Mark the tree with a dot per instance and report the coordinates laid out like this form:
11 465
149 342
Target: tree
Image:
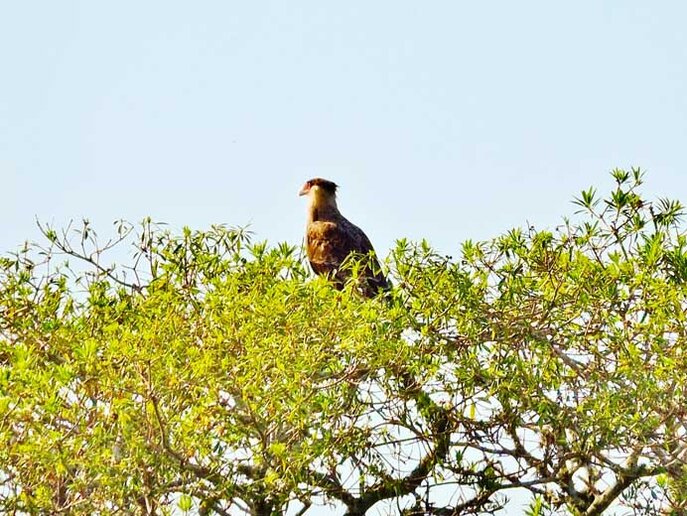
213 375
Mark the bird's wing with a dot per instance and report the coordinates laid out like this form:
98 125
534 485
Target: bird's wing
375 279
330 243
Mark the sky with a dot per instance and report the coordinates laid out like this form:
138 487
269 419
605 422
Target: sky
444 120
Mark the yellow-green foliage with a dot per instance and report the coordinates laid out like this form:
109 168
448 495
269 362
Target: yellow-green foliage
213 374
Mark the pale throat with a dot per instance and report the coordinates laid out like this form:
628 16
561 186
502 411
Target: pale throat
321 206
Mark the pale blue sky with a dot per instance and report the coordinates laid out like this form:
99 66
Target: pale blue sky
446 119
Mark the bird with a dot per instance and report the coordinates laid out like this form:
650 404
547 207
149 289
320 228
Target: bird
330 239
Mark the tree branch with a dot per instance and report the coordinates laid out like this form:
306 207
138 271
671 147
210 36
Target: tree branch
624 480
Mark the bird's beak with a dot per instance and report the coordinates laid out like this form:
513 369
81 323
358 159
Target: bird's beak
304 191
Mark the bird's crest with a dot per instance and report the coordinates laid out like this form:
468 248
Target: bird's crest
325 184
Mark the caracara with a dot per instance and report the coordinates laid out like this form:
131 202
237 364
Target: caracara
330 239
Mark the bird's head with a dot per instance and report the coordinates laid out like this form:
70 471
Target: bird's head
319 188
321 195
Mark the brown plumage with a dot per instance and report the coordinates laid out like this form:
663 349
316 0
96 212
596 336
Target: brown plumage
330 239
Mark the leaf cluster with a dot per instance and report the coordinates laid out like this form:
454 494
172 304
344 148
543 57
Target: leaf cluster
211 373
